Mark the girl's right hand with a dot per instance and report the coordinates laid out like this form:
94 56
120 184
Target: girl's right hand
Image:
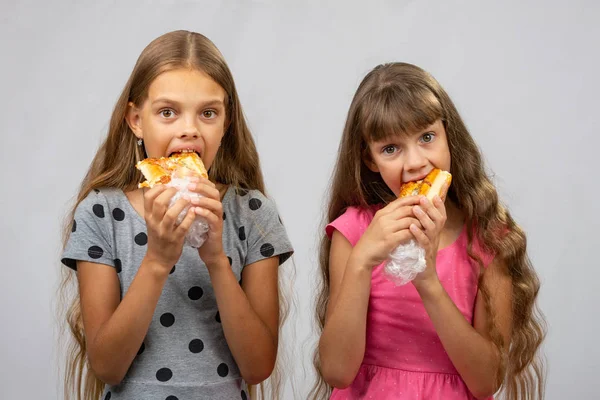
165 237
388 229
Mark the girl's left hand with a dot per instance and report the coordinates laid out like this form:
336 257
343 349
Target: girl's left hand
432 216
210 207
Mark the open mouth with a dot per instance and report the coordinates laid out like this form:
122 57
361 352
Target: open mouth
184 151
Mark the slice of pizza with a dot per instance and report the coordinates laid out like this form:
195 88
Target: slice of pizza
160 171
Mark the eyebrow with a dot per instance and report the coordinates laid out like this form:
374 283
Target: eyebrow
207 103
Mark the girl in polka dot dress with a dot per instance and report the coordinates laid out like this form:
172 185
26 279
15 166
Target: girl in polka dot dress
465 327
155 319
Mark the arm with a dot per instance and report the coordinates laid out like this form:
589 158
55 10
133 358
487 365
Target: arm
115 330
342 344
249 314
470 348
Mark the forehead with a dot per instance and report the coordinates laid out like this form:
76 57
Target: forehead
437 127
396 112
185 84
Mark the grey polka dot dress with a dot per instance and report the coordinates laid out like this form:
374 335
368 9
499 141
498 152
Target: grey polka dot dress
184 354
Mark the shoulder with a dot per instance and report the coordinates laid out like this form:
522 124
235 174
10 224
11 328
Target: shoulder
352 223
98 202
244 203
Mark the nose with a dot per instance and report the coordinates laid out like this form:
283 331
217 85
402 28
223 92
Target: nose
189 129
415 160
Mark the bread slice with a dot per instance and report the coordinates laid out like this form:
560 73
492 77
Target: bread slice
430 186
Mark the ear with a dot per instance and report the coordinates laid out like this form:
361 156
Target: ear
368 160
134 120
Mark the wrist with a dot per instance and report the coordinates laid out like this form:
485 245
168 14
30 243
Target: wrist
155 267
428 287
357 262
217 263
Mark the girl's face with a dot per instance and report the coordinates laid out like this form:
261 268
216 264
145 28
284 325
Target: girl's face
410 157
185 109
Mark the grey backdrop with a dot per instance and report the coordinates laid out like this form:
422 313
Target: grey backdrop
523 75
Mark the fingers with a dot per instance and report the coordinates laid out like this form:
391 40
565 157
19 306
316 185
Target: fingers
400 202
404 223
431 215
205 188
159 206
420 236
212 219
215 206
184 226
170 217
402 236
151 195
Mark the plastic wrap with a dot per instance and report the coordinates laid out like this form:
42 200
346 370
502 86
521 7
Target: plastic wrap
198 231
405 263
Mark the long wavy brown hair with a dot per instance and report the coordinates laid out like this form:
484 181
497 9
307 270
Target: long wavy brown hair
399 98
236 164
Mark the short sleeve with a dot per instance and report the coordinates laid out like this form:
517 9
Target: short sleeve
487 256
267 236
352 224
89 237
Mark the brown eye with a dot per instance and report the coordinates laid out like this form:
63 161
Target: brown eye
209 114
389 149
427 137
167 113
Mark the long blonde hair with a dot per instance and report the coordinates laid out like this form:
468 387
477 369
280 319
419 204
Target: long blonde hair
236 164
400 98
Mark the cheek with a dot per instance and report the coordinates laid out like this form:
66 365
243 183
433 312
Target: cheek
392 176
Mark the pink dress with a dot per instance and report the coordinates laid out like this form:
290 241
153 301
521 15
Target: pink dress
404 357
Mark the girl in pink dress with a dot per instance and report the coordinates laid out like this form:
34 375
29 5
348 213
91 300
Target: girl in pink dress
466 327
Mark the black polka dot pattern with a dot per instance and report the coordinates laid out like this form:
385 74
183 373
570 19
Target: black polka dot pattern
244 397
142 348
255 204
118 265
195 293
96 190
95 252
118 214
218 317
171 398
164 374
224 216
167 320
98 210
141 239
230 261
223 370
74 226
196 346
172 269
267 250
242 233
108 396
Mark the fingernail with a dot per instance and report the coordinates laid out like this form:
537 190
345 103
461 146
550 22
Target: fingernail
418 209
192 186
